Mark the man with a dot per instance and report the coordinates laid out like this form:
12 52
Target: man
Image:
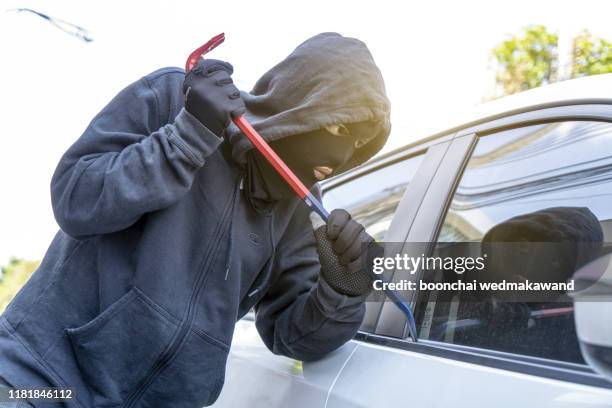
173 227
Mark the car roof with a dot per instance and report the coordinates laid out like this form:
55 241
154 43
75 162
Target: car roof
595 89
592 89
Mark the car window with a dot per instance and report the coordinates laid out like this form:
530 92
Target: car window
372 198
554 179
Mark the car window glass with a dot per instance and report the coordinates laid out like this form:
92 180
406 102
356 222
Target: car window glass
551 178
373 198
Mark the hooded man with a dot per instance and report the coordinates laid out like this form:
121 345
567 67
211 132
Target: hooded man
173 227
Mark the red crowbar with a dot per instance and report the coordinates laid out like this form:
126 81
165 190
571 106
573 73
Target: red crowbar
279 165
286 173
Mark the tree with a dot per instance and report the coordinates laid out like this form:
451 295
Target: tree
527 61
13 277
590 56
531 59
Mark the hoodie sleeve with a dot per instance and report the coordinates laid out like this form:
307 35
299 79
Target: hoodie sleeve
131 159
301 316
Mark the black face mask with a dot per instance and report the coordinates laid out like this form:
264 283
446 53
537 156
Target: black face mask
302 153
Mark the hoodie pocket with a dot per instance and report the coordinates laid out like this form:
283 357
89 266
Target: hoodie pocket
116 350
194 378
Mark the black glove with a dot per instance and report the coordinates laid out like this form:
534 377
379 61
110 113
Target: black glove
211 96
346 252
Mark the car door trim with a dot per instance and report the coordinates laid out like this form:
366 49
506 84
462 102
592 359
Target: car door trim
421 230
553 369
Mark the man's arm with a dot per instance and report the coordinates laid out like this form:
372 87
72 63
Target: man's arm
133 158
301 316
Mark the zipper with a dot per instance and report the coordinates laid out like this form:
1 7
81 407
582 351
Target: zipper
172 350
262 280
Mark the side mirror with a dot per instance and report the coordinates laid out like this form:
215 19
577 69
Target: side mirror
593 314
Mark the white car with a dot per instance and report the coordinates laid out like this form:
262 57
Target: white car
548 147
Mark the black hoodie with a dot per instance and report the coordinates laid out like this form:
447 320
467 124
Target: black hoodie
159 254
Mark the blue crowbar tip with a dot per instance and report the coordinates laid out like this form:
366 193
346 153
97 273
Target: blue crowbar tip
285 172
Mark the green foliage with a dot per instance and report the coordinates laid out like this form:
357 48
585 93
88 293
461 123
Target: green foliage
531 59
527 60
13 277
591 56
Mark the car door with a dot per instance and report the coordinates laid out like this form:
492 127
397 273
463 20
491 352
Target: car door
521 164
257 378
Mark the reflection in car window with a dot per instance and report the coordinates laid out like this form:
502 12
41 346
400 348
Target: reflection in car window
373 198
558 172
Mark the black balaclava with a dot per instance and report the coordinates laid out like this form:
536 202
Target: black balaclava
301 153
327 80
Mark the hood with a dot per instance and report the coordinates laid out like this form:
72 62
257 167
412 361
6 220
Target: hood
327 80
575 232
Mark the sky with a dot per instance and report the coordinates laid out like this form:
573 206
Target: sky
434 56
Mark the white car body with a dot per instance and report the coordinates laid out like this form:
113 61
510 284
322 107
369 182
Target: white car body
381 367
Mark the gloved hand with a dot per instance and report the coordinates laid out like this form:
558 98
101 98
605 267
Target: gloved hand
346 252
211 96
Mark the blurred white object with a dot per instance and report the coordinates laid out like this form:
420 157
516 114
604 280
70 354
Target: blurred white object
593 314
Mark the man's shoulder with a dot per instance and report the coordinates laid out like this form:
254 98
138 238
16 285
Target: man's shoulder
167 85
166 74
